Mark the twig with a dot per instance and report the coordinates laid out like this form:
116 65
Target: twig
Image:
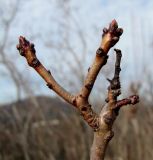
127 101
27 50
114 89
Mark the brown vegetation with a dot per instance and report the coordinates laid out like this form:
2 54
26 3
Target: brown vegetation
58 132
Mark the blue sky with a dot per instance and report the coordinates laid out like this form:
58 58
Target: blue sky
38 18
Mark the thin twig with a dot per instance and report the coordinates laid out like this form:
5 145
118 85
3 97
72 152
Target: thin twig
27 50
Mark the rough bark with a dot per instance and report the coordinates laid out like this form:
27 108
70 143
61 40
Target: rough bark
101 123
109 113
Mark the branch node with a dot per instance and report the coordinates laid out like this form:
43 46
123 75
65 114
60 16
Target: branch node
34 63
110 81
100 53
131 100
108 118
82 96
49 86
107 100
74 101
89 85
109 136
105 30
119 31
49 72
89 116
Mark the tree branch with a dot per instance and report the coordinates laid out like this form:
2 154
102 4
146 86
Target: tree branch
109 38
27 50
127 101
115 86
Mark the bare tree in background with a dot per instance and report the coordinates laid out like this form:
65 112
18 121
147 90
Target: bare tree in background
68 24
21 83
101 123
7 18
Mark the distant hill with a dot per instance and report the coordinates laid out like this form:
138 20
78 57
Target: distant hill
45 128
42 128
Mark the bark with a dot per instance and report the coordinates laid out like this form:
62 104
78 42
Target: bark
102 137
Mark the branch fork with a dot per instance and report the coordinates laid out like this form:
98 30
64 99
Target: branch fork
101 123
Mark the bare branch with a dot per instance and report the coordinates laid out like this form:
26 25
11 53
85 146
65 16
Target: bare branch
115 86
109 39
27 50
127 101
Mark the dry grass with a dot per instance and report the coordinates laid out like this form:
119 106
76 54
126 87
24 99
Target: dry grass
53 131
